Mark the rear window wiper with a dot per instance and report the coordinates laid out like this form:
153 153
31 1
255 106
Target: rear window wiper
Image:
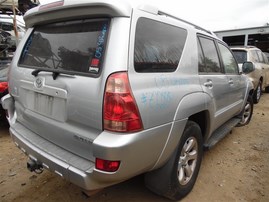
55 73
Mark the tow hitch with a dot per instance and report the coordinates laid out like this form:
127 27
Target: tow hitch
33 166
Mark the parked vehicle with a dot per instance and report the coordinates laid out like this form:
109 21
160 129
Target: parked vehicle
4 44
259 73
6 25
22 6
3 89
110 91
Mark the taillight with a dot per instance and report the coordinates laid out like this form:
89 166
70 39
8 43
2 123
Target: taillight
106 165
120 110
3 87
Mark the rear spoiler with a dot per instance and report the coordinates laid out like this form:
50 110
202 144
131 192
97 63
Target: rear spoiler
68 9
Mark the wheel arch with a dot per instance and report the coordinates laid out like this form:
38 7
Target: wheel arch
200 110
194 107
261 78
202 119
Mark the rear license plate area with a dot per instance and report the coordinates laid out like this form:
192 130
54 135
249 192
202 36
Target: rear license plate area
46 105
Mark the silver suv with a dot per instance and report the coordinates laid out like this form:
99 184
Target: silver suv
100 91
255 65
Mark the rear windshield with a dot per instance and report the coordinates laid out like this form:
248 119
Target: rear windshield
240 55
75 47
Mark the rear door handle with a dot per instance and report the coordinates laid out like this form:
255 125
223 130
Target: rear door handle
208 84
231 82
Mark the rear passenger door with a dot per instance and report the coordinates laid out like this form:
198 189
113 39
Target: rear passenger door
213 79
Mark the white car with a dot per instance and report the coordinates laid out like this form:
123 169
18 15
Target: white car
6 24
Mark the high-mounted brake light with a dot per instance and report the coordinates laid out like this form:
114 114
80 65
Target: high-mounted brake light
106 165
3 87
51 5
120 110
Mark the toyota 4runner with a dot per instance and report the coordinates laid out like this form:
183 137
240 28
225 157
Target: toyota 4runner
100 91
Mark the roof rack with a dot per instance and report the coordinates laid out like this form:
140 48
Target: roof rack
195 26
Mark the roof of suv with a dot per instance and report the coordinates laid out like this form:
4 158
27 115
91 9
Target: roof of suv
106 8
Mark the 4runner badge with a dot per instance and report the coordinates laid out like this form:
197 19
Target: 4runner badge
38 83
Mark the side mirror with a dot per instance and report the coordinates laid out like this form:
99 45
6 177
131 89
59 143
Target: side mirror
248 67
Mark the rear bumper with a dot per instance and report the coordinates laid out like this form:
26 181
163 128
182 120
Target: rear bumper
137 152
132 150
67 165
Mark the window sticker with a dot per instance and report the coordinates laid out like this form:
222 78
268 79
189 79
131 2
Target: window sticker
26 48
94 66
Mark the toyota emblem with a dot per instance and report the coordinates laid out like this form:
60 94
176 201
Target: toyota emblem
38 82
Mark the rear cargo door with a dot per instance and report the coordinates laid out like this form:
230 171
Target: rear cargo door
59 93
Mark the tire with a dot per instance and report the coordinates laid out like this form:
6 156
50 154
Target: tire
246 113
257 93
177 177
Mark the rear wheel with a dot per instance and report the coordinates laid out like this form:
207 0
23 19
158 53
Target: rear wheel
177 177
246 113
257 93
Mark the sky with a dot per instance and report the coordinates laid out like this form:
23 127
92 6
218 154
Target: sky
214 15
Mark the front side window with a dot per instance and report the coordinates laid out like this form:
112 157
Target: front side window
158 46
228 60
75 47
201 59
211 59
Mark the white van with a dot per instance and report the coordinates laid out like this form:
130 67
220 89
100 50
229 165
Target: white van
6 24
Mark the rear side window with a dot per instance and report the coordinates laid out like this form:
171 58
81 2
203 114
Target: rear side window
158 46
266 58
260 56
75 47
254 56
240 56
208 56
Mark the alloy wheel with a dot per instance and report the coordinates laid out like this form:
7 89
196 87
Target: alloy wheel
187 160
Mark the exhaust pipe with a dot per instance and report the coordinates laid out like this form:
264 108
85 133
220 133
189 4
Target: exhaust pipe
33 166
